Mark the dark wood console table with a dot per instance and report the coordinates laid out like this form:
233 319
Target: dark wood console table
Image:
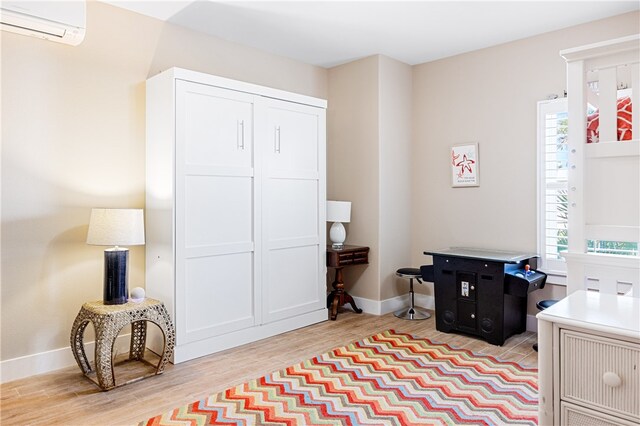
338 259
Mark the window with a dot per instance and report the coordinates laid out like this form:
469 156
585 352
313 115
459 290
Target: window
553 160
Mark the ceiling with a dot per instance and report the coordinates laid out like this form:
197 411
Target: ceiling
328 33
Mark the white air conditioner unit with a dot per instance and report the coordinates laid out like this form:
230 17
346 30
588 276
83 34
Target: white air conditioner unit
60 21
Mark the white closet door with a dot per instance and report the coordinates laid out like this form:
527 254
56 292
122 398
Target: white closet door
214 211
293 210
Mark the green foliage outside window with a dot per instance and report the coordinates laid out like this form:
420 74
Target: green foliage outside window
563 214
612 247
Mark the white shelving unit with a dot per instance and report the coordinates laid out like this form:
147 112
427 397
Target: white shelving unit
604 177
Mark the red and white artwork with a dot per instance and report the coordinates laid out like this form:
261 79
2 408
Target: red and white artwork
464 165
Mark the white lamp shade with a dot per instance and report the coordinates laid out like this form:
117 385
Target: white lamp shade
339 211
116 227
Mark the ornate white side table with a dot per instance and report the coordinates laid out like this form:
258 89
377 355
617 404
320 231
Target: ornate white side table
108 320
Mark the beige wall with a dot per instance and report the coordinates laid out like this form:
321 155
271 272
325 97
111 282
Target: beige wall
369 157
352 163
489 96
73 138
394 116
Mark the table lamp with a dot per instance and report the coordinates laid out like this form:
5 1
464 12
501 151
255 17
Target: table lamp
338 212
116 227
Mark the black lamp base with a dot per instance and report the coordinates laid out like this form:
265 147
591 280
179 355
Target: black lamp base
116 276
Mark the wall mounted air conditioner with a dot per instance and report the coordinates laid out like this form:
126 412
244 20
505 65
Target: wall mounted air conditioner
60 21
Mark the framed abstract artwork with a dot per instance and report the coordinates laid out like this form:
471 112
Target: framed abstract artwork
464 165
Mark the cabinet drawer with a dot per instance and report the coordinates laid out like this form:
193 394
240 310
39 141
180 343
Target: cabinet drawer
352 257
588 365
466 316
576 415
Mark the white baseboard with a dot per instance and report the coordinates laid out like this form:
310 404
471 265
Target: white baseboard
382 307
46 362
532 323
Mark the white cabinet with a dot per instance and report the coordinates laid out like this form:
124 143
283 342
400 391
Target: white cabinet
214 211
292 186
235 209
589 360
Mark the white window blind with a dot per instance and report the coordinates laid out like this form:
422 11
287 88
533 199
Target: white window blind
553 154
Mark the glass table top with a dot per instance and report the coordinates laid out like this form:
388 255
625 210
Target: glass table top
483 254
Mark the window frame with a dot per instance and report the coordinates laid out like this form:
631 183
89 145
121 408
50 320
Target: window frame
555 268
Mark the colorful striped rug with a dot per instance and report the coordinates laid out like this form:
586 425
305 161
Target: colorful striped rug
387 379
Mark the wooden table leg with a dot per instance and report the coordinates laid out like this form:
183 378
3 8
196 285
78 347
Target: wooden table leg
339 296
348 299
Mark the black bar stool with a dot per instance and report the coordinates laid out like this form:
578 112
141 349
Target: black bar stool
542 305
412 312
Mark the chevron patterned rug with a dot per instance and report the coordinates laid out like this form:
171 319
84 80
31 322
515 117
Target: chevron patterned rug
387 379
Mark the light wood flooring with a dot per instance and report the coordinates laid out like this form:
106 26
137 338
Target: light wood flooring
65 397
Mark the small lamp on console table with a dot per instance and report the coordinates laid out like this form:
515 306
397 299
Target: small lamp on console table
116 227
338 212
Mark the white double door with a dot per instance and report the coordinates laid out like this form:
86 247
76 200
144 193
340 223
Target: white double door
248 208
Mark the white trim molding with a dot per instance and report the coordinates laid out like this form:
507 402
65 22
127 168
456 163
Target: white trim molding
46 362
382 307
532 323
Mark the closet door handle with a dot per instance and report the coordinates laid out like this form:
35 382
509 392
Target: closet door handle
276 141
240 134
